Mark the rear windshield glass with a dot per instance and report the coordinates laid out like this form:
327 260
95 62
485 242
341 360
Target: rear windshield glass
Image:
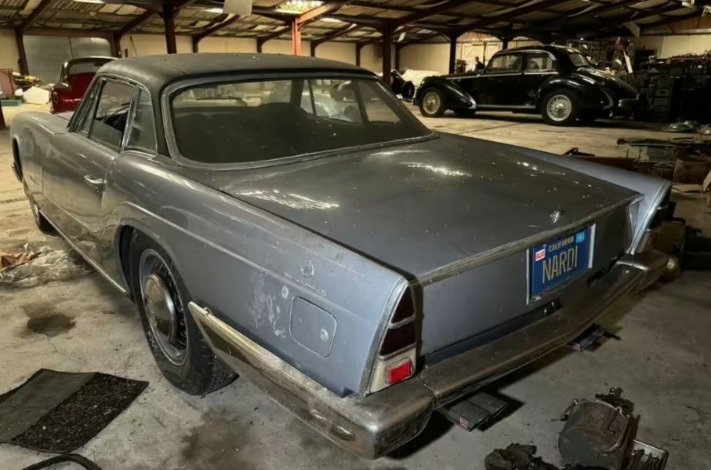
252 121
85 67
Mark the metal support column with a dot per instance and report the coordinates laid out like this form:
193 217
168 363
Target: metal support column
168 15
359 47
505 43
21 50
452 51
387 54
295 38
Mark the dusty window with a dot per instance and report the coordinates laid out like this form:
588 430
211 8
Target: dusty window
250 121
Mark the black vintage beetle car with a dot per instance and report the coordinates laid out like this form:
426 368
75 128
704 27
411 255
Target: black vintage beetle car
558 82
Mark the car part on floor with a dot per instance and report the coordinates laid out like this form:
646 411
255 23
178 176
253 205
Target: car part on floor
598 433
475 411
76 458
516 457
57 412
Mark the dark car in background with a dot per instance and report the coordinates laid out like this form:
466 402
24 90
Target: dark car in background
557 82
76 76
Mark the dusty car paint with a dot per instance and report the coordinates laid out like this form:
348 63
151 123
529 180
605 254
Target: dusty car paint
447 217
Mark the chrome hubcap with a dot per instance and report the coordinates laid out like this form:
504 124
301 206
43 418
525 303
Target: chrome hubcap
431 102
162 306
559 108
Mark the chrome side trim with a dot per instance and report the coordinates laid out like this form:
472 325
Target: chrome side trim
91 262
515 246
368 426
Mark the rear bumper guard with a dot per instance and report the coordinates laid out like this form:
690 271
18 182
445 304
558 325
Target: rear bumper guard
377 424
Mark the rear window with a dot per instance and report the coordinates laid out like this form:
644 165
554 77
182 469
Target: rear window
251 121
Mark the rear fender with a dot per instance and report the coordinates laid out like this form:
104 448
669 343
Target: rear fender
454 96
312 302
590 96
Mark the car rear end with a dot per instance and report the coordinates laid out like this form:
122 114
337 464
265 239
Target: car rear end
456 328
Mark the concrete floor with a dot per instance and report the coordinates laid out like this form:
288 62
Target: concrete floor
662 362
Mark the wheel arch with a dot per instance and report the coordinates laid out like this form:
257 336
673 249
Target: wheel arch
122 246
586 94
16 157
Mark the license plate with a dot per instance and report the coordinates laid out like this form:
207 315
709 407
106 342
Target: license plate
555 262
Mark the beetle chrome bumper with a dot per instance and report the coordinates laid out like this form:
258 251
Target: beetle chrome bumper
379 423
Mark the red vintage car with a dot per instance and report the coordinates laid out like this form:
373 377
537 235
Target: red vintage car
75 79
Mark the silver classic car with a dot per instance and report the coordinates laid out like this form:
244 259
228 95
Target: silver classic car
359 268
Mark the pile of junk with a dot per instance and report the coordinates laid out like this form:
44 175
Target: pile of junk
686 162
598 434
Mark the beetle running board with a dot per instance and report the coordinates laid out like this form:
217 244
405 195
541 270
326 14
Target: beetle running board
475 411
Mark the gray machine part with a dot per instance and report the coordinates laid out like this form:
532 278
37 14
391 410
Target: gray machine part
598 433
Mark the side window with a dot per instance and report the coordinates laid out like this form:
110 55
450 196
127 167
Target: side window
539 62
109 120
86 110
375 108
505 63
143 130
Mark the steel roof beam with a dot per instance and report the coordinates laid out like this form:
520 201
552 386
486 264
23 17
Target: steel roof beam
34 15
341 32
215 28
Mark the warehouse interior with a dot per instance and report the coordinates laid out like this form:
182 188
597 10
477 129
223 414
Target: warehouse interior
627 392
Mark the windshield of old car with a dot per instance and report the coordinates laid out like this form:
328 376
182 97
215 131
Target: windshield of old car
251 121
85 67
579 60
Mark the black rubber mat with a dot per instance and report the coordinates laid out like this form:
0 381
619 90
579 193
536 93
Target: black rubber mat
58 412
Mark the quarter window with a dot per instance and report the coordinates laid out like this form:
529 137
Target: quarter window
109 121
143 131
539 62
505 63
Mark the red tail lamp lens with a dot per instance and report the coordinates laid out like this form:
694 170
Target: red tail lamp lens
400 372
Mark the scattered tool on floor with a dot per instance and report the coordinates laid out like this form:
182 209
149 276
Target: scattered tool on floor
516 457
57 412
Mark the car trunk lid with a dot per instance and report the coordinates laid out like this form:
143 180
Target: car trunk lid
455 215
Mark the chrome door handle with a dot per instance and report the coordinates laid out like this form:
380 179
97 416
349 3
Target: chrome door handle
96 183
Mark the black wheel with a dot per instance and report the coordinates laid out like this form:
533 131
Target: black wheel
432 103
560 107
182 354
465 113
40 221
407 91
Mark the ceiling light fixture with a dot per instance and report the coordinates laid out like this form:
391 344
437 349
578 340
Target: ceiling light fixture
100 2
217 10
295 7
331 20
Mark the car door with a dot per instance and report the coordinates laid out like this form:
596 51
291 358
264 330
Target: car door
499 85
538 68
83 156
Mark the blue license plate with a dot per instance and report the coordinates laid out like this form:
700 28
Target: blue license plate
557 261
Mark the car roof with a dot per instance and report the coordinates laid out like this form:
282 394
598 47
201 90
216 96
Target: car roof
155 72
549 48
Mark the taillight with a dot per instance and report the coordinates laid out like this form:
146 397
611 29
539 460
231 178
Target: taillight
396 356
400 372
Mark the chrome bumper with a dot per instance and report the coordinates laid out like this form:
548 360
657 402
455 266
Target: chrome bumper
379 423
